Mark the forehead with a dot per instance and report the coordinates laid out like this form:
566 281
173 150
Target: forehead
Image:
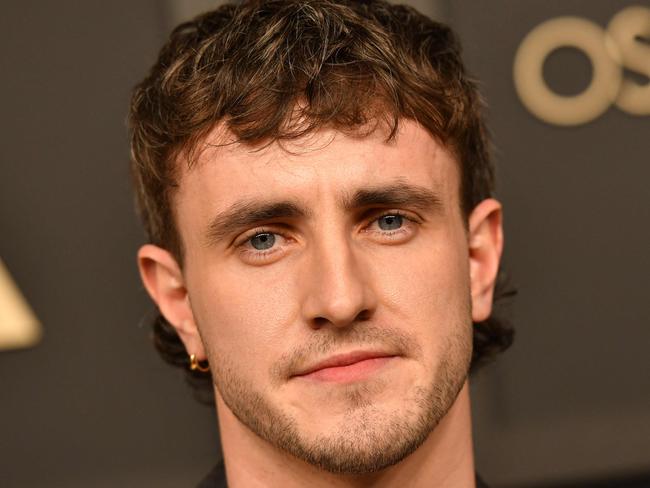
325 165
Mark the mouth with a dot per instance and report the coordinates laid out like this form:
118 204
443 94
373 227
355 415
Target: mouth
345 368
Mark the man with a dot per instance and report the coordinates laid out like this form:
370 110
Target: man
315 183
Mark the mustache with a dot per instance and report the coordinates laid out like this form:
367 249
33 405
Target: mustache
329 341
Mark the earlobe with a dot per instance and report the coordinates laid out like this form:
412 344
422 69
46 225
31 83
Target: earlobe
485 247
163 279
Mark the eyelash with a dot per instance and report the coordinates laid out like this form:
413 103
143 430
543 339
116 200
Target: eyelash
260 255
401 230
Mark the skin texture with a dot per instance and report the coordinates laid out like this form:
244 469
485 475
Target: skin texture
402 279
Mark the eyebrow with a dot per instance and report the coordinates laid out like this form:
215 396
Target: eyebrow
245 214
400 193
249 213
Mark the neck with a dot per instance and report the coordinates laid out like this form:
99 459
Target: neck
444 459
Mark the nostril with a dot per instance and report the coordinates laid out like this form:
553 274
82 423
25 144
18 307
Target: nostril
340 319
320 322
363 315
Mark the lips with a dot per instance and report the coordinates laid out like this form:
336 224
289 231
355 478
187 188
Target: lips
343 360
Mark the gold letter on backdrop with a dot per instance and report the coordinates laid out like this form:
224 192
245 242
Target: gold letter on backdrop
607 50
626 28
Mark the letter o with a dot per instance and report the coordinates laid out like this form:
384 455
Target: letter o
529 78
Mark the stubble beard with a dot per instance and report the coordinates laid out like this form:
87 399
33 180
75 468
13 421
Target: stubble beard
370 438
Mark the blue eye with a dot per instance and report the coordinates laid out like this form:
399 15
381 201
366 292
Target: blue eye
390 222
262 241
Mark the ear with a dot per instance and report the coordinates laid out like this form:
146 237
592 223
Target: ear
485 247
163 279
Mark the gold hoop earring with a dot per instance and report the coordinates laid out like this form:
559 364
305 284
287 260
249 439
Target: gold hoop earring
195 365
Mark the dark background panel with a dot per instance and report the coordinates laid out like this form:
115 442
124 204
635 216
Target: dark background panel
92 404
570 400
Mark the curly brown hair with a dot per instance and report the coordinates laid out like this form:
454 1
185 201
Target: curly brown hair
275 70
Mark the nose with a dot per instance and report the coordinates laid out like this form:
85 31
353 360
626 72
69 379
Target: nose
338 290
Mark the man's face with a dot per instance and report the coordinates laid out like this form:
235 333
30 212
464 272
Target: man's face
330 284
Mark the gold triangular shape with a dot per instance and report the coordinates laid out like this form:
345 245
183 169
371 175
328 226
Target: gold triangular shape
19 327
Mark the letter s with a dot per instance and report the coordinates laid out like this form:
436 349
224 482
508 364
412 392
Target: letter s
624 29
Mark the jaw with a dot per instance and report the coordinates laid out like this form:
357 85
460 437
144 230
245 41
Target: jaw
445 458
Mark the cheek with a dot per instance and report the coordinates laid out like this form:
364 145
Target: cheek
242 316
429 285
